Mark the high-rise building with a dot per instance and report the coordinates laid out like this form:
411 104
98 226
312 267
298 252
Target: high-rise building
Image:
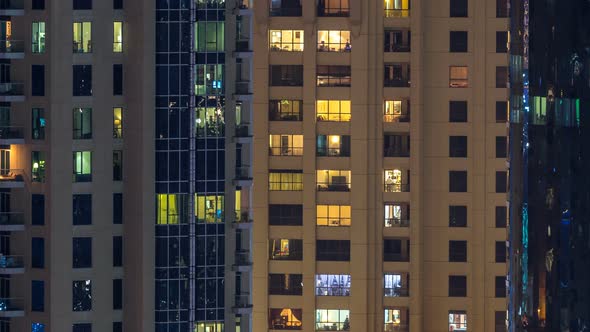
124 178
380 174
549 157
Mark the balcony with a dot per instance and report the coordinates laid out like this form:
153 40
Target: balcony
12 264
12 178
12 92
242 262
397 41
244 7
396 13
397 188
12 221
396 82
397 222
12 307
392 327
243 91
12 135
12 7
396 292
12 49
396 257
243 134
285 11
242 304
243 49
243 176
243 220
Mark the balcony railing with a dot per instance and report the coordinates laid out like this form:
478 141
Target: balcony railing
12 46
243 130
12 219
333 12
395 222
399 82
11 304
243 173
404 116
243 45
7 133
12 175
327 186
285 151
396 12
397 187
293 11
397 48
396 153
396 257
242 301
12 262
396 292
332 152
242 258
243 88
12 89
392 327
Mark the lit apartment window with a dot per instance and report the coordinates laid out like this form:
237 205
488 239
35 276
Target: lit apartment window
209 208
285 110
285 180
333 110
286 40
210 4
117 165
209 121
458 77
396 75
396 111
82 37
333 180
37 166
333 76
117 122
333 146
209 36
396 8
285 145
82 166
333 215
332 285
171 209
396 181
209 79
82 126
395 285
396 319
397 215
285 7
332 320
285 284
285 249
81 295
38 35
333 8
457 320
285 318
397 40
117 37
334 41
38 123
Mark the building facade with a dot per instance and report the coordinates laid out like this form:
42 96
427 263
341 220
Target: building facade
549 231
380 175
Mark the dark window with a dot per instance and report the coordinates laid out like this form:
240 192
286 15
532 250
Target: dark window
82 4
502 8
396 75
457 181
286 75
37 209
457 251
333 8
38 252
333 76
117 208
500 286
37 80
118 165
501 216
501 77
285 284
457 286
117 327
285 7
117 294
501 147
285 215
82 209
501 182
396 250
117 4
37 295
82 80
117 251
457 216
81 295
82 327
500 321
397 40
458 41
396 145
501 111
457 111
501 41
38 4
332 250
458 146
117 80
500 252
458 8
82 252
285 110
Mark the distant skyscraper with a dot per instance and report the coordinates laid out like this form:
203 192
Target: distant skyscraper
549 159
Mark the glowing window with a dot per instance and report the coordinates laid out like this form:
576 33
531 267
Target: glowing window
334 41
458 77
82 37
286 40
117 37
396 8
333 215
82 166
333 110
285 145
209 208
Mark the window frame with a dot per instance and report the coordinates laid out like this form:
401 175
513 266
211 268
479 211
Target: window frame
289 180
334 216
278 40
82 123
340 46
82 173
118 36
81 45
329 114
329 288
